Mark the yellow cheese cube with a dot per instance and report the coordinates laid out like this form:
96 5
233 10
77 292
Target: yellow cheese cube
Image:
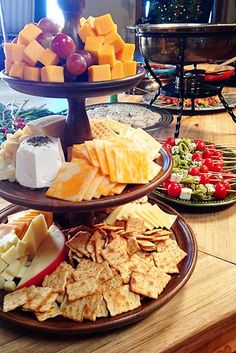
82 21
33 53
32 73
17 70
14 52
86 31
117 71
93 44
91 21
126 53
8 66
99 73
130 68
29 33
113 38
52 73
106 55
104 24
49 57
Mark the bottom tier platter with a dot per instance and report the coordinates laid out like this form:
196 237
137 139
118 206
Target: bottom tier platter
184 236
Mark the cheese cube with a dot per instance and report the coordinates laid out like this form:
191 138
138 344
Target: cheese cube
130 68
185 194
14 268
32 73
113 38
49 57
17 70
52 73
36 233
10 255
99 73
86 31
29 33
82 21
21 273
33 53
10 238
106 55
9 286
2 282
93 44
117 71
8 66
3 265
126 53
14 52
104 24
51 125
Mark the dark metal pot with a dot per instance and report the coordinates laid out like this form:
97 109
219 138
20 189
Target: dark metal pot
203 42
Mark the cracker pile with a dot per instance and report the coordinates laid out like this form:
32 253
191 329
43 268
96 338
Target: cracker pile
112 269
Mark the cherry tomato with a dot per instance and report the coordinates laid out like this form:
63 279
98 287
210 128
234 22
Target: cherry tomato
216 154
165 184
197 156
204 169
194 171
208 163
200 145
217 168
220 191
207 154
170 141
216 179
174 190
205 179
226 184
167 146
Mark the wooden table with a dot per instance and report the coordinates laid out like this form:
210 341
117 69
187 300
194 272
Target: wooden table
202 311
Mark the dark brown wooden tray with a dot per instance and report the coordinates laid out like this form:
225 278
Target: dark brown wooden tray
186 240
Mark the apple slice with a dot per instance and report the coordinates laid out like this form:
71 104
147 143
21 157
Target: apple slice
50 254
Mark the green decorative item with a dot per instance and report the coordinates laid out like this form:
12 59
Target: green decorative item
113 98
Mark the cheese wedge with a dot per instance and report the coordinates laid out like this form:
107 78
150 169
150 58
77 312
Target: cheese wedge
36 233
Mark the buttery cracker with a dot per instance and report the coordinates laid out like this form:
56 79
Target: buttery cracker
57 280
102 310
134 225
87 268
83 288
92 304
114 282
48 303
166 262
106 272
74 310
52 312
37 297
115 252
144 284
132 246
15 299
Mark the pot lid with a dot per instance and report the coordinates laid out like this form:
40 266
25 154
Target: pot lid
186 28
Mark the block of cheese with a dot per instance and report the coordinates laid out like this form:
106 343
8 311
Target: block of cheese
29 33
52 73
32 73
17 70
38 160
104 24
8 66
130 68
126 53
36 233
49 57
79 152
93 44
50 125
14 52
86 31
98 73
113 38
72 181
33 52
117 71
106 55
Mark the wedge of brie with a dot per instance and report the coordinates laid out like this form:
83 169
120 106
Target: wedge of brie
38 160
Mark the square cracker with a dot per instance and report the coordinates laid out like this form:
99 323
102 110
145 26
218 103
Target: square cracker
87 268
79 242
132 246
37 297
15 299
48 304
83 288
135 263
121 300
106 273
102 310
135 225
52 312
112 283
166 262
57 280
74 310
144 284
92 305
161 277
115 252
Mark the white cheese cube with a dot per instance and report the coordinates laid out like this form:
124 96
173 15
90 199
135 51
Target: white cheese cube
10 238
3 265
188 156
197 163
185 194
176 177
210 188
177 141
21 273
9 286
10 255
14 268
175 149
192 146
22 248
2 282
7 276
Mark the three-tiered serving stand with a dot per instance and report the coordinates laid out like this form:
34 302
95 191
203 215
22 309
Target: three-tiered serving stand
69 214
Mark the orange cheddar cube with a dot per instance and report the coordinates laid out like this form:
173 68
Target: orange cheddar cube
29 33
99 73
14 52
33 53
93 44
117 71
113 38
106 55
86 31
32 73
52 73
8 66
49 57
104 24
17 70
126 53
130 68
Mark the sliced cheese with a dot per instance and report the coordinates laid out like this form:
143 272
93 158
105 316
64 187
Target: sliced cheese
100 150
92 153
111 219
93 186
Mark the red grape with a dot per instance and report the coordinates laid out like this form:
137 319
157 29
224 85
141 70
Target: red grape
174 190
48 25
45 39
200 145
76 64
87 56
63 45
220 191
194 171
170 141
